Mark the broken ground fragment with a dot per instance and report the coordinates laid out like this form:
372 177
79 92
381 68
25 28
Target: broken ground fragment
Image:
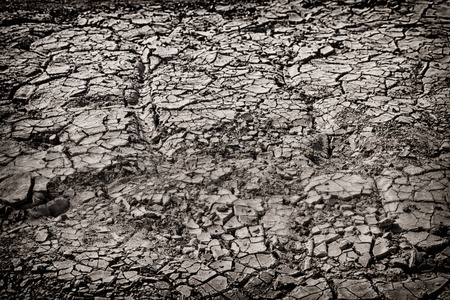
416 201
363 68
222 266
222 60
350 289
258 261
381 248
240 273
343 186
214 286
412 289
58 70
262 285
312 289
25 92
426 241
249 246
41 235
320 250
52 208
276 220
184 290
16 189
100 276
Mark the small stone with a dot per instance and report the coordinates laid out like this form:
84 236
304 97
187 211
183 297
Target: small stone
386 223
58 206
256 230
294 17
321 250
41 236
101 193
303 221
69 193
294 199
39 211
381 248
131 97
218 252
166 200
326 50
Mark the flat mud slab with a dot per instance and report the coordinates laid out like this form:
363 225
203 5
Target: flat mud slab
224 150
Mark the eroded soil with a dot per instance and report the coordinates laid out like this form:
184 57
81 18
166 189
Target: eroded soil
239 150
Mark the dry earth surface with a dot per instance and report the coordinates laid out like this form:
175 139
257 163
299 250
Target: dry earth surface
224 150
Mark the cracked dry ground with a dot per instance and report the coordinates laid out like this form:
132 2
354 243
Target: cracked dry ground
243 151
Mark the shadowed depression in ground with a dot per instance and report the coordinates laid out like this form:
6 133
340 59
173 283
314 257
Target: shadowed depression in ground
224 150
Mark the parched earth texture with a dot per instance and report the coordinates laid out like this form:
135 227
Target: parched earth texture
238 150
